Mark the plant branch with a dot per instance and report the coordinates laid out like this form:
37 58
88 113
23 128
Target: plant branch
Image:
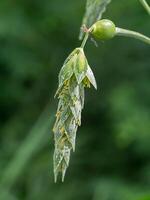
132 34
145 5
84 40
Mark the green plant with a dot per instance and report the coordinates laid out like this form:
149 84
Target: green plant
75 76
146 6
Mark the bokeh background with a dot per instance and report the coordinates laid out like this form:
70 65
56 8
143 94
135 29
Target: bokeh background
112 158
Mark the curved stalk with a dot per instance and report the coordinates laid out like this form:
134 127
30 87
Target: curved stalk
132 34
145 5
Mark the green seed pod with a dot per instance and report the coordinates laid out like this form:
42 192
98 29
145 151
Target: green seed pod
103 29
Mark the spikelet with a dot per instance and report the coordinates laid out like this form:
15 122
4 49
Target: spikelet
74 76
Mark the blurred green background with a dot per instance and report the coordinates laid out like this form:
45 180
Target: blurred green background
112 158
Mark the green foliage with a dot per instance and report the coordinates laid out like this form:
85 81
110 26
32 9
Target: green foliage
116 190
112 148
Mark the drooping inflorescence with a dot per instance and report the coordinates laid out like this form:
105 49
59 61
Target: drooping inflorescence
74 77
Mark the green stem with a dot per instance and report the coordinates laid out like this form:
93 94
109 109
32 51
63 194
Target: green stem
145 5
84 40
132 34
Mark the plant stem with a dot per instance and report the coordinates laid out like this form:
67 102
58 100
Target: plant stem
132 34
145 5
84 40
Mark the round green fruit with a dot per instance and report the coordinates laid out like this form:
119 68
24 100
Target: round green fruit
103 29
